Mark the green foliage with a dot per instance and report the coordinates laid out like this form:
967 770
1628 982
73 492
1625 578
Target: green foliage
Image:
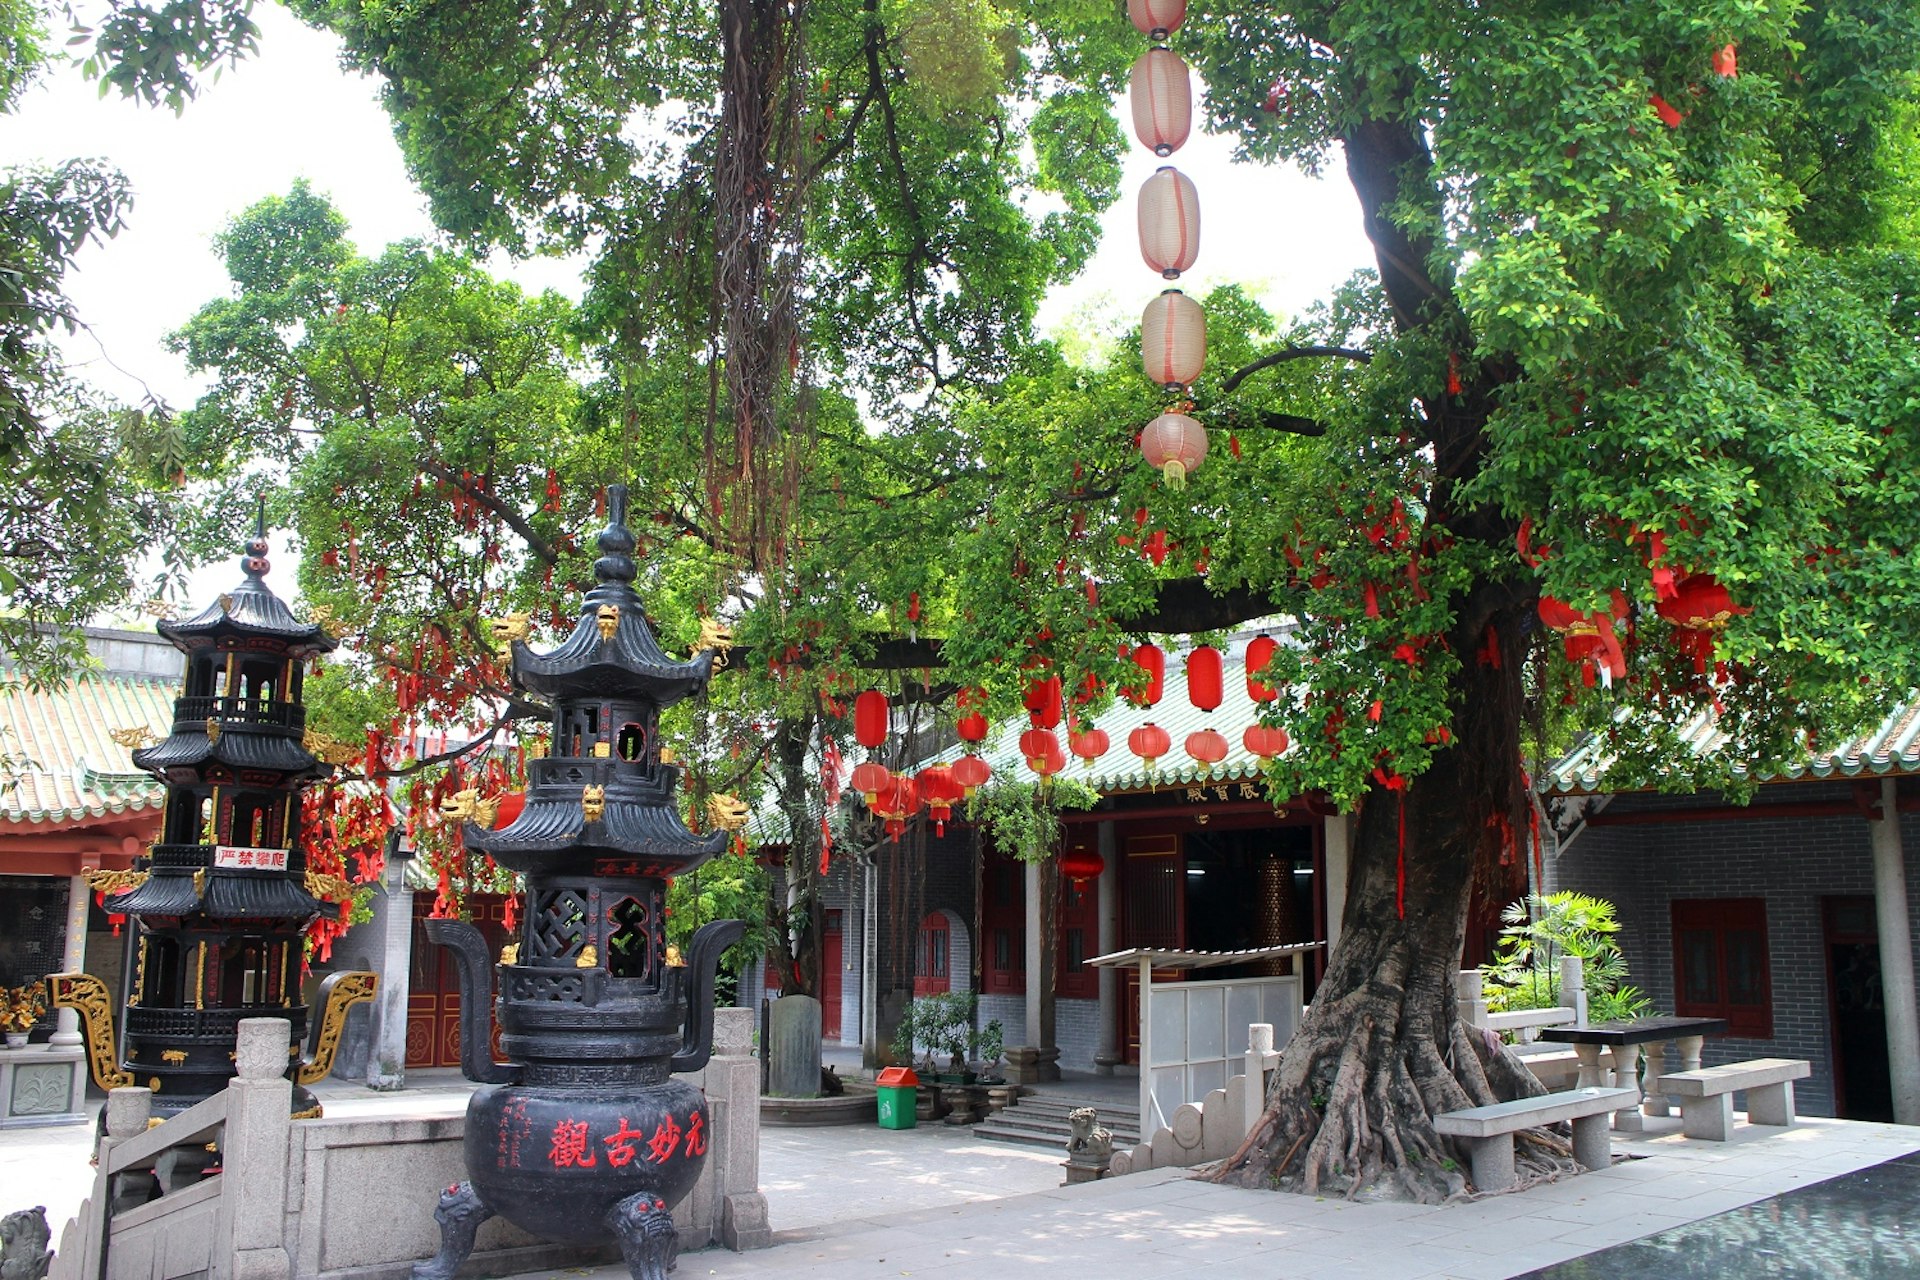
157 53
944 1024
731 887
1537 932
1023 818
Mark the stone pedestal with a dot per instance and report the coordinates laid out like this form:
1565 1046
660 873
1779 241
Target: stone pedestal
1027 1065
959 1100
42 1084
793 1048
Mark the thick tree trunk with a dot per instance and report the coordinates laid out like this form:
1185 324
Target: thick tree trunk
1382 1051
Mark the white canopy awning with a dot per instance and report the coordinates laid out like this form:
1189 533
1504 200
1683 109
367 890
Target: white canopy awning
1167 958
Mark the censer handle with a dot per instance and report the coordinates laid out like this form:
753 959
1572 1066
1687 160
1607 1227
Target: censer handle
470 954
703 960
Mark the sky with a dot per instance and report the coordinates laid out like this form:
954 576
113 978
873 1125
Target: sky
289 112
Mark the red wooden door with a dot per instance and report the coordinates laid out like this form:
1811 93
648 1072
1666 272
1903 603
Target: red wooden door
933 956
830 970
433 999
1153 913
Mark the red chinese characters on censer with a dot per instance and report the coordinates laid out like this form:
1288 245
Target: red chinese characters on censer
573 1144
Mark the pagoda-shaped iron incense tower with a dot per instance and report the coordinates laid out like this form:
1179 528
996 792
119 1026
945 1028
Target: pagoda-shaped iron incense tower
590 1138
221 903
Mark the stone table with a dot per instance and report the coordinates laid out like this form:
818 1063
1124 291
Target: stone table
1629 1040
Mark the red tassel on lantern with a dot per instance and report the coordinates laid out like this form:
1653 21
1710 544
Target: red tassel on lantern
1204 678
942 791
1169 210
870 719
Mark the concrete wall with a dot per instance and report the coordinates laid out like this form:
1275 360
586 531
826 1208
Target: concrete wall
1789 862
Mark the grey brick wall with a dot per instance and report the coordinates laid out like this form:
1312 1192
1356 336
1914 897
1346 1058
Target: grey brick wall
1789 862
1076 1026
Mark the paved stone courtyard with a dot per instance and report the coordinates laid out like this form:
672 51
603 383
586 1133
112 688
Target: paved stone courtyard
864 1203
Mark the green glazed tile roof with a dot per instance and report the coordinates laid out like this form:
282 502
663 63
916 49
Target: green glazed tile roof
61 764
1893 747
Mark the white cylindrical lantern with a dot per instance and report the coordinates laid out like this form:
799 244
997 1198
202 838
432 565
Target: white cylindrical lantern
1156 19
1161 93
1169 222
1176 445
1173 339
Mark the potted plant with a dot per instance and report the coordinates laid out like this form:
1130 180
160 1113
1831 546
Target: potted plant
20 1008
943 1025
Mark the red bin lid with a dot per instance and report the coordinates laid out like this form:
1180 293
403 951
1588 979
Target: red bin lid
897 1078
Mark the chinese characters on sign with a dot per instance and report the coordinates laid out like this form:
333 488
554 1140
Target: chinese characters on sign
247 858
573 1143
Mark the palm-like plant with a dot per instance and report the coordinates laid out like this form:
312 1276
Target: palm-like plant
1537 931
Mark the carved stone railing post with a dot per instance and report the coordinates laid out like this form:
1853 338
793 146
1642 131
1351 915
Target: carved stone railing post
248 1243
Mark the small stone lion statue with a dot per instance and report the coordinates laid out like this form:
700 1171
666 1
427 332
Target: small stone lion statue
24 1237
1088 1143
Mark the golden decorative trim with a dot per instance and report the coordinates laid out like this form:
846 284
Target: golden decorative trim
200 883
200 979
348 989
589 957
593 803
139 973
158 608
666 755
601 750
115 882
327 748
717 636
726 812
153 1083
311 1113
510 954
466 805
674 960
87 996
284 949
608 618
135 737
226 602
174 1056
324 884
213 731
508 629
535 750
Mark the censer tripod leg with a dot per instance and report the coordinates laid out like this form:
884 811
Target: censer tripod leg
648 1239
459 1214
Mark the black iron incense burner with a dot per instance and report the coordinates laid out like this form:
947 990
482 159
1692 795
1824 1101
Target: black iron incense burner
588 1138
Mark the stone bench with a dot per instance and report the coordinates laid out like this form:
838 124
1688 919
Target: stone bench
1706 1095
1489 1130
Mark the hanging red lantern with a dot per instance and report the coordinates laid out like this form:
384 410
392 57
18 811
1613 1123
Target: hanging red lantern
1173 339
971 772
870 719
1207 746
868 779
941 791
1175 445
1149 742
1157 19
1082 863
1588 639
1260 651
510 807
1169 210
1160 92
1699 609
1204 677
972 727
896 802
1036 745
1153 662
1089 746
1043 702
1265 742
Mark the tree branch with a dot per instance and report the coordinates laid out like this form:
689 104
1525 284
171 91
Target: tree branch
538 545
1285 354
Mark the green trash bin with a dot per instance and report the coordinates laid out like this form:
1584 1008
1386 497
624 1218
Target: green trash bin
897 1086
